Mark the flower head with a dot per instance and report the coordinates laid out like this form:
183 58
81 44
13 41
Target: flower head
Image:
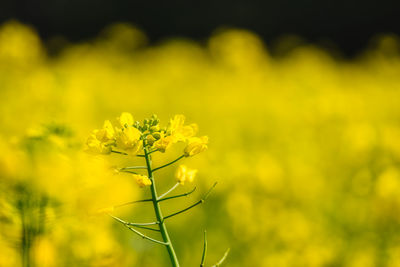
184 174
163 143
95 146
126 119
107 133
100 141
128 139
196 145
179 131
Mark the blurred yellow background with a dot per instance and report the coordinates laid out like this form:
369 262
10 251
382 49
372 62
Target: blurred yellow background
305 148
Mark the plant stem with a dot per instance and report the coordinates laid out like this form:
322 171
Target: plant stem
157 210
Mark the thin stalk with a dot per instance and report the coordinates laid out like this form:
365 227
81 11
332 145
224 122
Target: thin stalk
223 258
133 168
158 213
146 237
146 227
132 224
128 172
194 205
133 202
172 162
119 152
139 233
176 196
203 257
169 191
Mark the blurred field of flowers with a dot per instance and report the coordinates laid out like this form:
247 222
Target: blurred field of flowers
305 147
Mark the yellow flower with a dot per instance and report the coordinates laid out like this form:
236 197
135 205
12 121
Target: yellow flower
189 130
105 210
176 123
95 146
125 119
184 174
179 131
163 143
107 133
128 139
142 180
196 145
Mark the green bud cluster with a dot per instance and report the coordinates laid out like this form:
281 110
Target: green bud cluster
151 125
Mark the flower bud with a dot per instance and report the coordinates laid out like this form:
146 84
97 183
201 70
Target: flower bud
142 180
157 135
150 140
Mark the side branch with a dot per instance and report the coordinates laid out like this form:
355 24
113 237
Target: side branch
146 227
194 205
169 191
133 202
143 156
132 224
172 162
176 196
146 237
223 258
128 225
119 152
133 168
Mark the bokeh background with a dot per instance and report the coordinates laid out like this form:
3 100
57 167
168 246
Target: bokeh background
302 108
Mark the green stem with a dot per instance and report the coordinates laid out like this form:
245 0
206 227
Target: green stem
203 257
172 162
157 210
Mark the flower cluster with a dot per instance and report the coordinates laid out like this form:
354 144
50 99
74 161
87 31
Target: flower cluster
130 136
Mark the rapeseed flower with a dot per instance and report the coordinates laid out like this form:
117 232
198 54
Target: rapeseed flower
195 145
184 174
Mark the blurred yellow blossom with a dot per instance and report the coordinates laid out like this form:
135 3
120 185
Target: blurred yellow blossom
195 145
179 131
128 139
126 119
107 133
105 210
184 174
96 146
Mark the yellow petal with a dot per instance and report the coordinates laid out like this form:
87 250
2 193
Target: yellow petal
126 119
